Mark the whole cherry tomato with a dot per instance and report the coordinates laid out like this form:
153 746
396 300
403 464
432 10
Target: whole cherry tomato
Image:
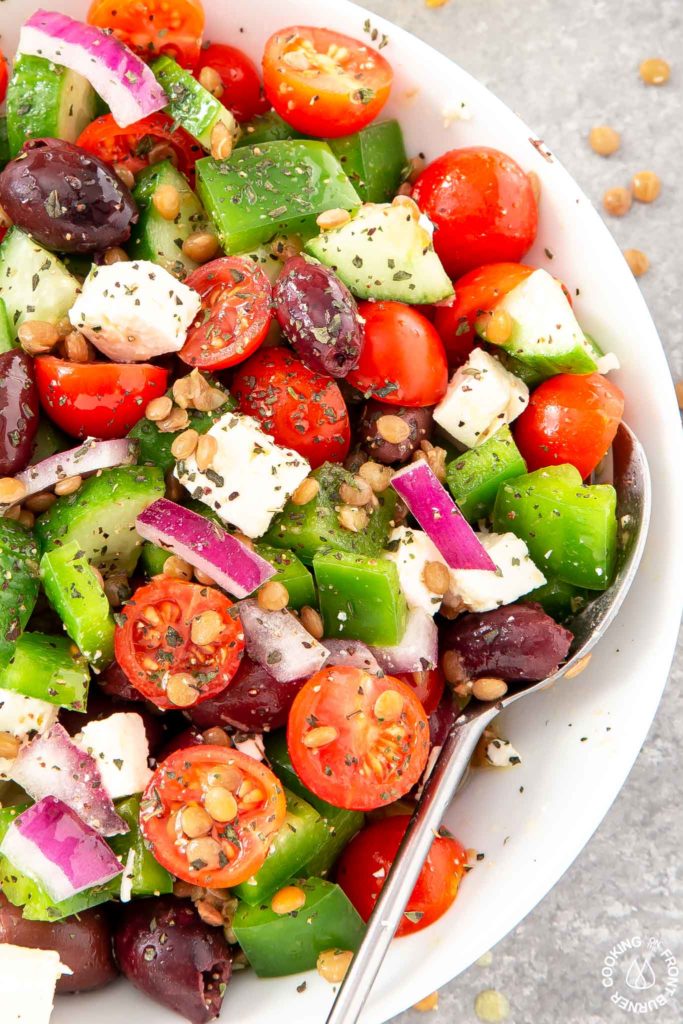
242 89
151 27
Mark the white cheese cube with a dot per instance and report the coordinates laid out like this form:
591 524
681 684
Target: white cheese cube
120 748
411 550
481 397
20 716
250 478
134 311
28 978
516 574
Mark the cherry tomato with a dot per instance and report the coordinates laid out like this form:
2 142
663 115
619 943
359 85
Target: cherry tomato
403 361
428 687
102 400
365 863
483 207
154 645
302 409
4 77
361 760
131 146
208 815
324 83
242 89
570 418
151 27
235 314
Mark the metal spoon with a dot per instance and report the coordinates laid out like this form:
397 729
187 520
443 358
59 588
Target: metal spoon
631 478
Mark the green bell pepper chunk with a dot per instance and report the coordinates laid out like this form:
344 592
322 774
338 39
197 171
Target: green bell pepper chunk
302 833
148 878
341 825
374 159
313 528
192 106
570 529
360 598
278 187
20 584
559 599
48 441
46 668
291 572
474 477
268 127
77 596
7 339
276 945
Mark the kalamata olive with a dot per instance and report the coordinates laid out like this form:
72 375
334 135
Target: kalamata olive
254 701
442 718
19 411
418 421
165 949
83 944
66 198
318 315
517 641
115 683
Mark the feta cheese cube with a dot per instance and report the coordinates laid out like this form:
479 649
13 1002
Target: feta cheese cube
20 716
250 478
120 748
516 574
28 979
481 397
411 550
134 311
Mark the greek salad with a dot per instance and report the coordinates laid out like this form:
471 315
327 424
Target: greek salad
296 461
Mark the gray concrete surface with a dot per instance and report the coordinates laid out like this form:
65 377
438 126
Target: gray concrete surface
565 65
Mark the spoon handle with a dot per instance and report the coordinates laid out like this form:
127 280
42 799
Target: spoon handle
424 824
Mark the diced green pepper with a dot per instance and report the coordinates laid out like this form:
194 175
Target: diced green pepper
315 528
291 572
341 825
374 159
77 596
474 477
360 598
46 668
7 340
147 877
570 529
559 599
279 187
48 441
268 127
192 106
276 945
303 833
20 583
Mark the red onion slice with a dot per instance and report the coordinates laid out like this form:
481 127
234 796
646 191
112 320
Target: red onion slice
279 642
354 653
418 650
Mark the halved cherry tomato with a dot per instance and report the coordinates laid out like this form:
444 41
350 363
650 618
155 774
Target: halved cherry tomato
102 400
483 207
403 361
208 815
235 314
324 83
302 409
570 418
343 748
131 146
242 89
365 863
4 77
154 26
154 645
428 687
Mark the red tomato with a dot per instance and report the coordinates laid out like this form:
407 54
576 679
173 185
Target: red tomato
131 146
427 686
369 761
4 77
235 314
208 815
366 861
151 27
475 293
403 361
242 89
101 400
324 83
570 418
483 207
154 647
302 409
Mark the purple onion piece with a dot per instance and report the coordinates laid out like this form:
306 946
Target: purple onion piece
418 649
279 642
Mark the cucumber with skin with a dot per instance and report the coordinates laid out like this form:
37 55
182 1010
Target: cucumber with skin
47 100
189 103
7 341
20 584
34 283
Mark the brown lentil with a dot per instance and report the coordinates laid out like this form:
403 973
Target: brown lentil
408 204
11 513
353 518
115 255
117 589
176 420
604 140
221 141
196 821
288 900
200 246
220 804
216 737
158 408
180 689
578 668
174 489
452 668
162 151
166 200
379 477
204 852
184 444
435 458
637 261
388 706
211 80
489 688
358 493
646 186
436 577
11 490
201 577
9 745
312 622
206 628
306 491
333 964
209 914
40 502
77 348
273 596
243 539
655 71
37 337
69 485
617 201
207 447
320 736
124 175
393 429
178 568
330 219
27 519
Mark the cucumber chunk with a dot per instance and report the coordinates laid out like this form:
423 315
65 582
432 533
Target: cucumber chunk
20 584
45 667
100 517
7 341
47 100
191 105
34 284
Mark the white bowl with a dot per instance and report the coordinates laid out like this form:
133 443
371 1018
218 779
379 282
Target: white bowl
579 740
